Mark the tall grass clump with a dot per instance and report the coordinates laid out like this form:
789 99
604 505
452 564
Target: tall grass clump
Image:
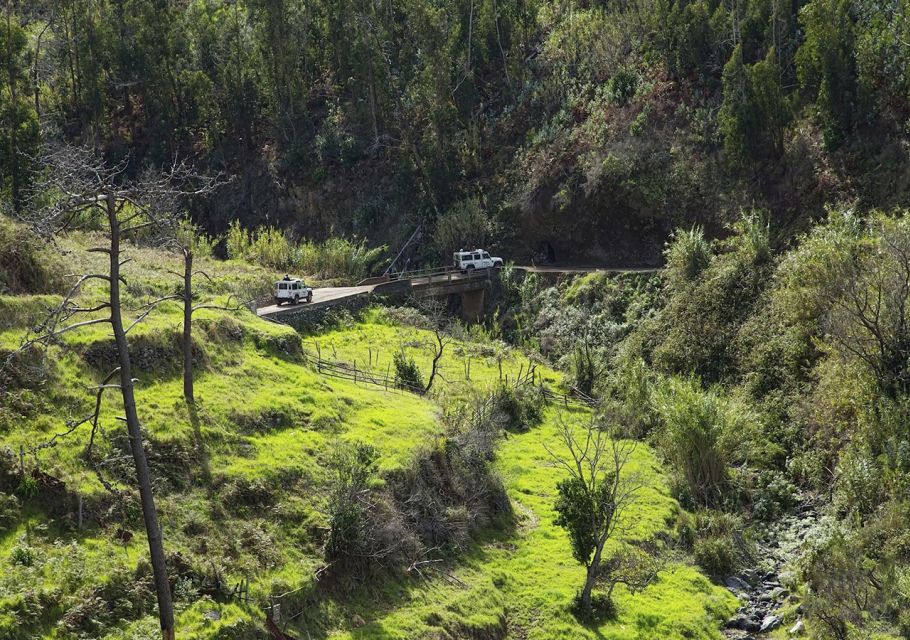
267 246
687 254
336 258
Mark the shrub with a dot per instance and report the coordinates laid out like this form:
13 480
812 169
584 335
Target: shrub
407 373
9 511
365 530
22 555
715 540
687 255
464 226
697 328
26 265
700 433
715 554
623 85
518 407
859 489
772 495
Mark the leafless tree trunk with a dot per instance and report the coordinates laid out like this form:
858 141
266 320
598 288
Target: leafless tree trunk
81 185
188 326
143 478
438 350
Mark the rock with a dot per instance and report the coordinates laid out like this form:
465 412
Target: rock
751 625
211 615
770 623
779 593
736 584
750 576
797 629
357 621
737 622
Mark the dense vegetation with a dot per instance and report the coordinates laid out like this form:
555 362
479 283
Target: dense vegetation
523 120
756 389
770 384
362 511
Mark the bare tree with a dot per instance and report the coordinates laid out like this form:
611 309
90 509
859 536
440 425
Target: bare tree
186 240
592 501
80 188
435 314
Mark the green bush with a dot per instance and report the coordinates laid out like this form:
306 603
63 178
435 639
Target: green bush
772 495
695 332
622 85
407 373
464 226
715 540
517 407
23 555
701 434
27 265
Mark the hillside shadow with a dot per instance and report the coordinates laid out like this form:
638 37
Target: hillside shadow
192 409
365 598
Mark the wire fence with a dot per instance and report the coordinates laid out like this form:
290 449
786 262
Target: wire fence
387 380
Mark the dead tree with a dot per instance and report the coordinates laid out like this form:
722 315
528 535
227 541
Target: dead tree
184 238
439 324
79 189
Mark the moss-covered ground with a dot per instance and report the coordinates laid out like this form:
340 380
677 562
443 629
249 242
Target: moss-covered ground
241 483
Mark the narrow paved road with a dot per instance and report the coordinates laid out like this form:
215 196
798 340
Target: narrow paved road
325 294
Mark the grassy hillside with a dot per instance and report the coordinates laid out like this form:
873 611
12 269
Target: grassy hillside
243 479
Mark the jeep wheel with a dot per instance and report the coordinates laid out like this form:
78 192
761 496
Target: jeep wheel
297 298
278 302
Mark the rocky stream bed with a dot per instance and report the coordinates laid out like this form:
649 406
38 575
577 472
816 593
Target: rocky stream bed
765 589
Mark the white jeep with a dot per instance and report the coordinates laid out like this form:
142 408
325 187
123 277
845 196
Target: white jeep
292 290
476 259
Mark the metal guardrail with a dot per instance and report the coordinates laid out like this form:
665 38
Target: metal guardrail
441 274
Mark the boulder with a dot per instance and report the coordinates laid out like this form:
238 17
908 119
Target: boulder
770 623
736 584
797 629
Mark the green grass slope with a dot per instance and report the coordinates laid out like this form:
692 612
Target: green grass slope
241 484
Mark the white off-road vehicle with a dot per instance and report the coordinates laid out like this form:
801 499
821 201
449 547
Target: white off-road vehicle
476 259
292 290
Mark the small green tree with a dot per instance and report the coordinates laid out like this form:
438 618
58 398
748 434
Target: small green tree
592 500
407 373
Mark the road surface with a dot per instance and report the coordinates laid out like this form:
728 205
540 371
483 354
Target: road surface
325 294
